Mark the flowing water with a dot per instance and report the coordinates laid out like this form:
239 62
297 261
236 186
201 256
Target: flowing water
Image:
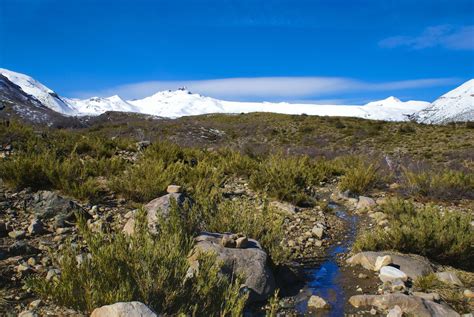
323 278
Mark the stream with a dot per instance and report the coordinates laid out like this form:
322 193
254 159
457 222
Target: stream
324 277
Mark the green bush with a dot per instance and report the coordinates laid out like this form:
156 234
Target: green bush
444 184
290 178
446 237
261 223
360 174
146 268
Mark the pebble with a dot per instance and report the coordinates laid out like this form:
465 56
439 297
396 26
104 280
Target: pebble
17 234
468 293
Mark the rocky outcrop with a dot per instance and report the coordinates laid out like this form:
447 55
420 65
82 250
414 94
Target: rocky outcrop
250 261
412 305
124 309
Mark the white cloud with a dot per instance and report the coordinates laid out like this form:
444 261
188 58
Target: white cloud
262 88
447 36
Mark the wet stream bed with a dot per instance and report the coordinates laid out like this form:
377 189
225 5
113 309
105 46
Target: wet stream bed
329 279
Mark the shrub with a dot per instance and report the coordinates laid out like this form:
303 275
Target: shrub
146 268
290 178
360 175
446 237
261 223
444 184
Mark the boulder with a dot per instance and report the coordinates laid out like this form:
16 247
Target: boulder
449 278
48 204
365 203
412 265
251 262
124 309
390 274
155 209
412 305
316 302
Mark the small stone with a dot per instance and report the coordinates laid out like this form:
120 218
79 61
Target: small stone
449 278
122 309
398 286
382 261
35 304
365 203
363 276
396 311
242 242
173 189
291 243
318 243
316 302
32 261
317 232
23 268
63 230
373 311
468 293
36 227
17 234
390 273
227 241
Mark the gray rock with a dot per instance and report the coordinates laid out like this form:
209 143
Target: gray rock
251 262
365 203
317 232
428 296
412 265
449 278
48 204
412 305
155 209
22 248
124 309
396 311
36 227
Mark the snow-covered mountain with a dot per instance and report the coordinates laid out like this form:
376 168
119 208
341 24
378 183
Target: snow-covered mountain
456 105
40 92
98 105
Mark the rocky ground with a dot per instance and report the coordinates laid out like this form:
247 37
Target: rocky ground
34 225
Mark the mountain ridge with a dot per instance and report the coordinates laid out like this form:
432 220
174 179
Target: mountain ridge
181 102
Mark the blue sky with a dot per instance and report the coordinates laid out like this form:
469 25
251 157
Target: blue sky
325 51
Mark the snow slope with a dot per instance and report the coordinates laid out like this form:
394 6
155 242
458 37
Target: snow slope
183 103
40 92
98 105
456 105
